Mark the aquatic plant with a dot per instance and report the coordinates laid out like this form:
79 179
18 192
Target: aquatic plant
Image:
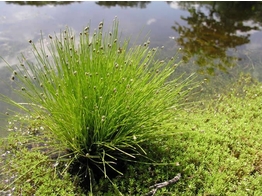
99 98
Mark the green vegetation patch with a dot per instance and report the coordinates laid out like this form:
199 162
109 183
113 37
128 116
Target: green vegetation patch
102 118
96 100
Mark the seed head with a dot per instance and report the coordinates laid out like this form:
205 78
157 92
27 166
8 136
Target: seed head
119 50
86 28
72 37
23 88
12 78
50 36
30 41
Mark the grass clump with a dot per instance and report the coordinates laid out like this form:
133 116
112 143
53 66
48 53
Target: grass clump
99 100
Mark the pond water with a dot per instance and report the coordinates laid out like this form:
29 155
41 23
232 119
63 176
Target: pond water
217 39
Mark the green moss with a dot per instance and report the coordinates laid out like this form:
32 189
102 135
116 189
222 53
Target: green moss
30 172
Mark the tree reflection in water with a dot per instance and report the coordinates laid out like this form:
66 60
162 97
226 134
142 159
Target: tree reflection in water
41 3
213 31
139 4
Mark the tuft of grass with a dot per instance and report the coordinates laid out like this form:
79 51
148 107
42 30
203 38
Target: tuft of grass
101 100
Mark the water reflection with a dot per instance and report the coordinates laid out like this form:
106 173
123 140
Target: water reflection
211 32
140 4
41 3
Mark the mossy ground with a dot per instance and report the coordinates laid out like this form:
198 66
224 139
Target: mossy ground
218 152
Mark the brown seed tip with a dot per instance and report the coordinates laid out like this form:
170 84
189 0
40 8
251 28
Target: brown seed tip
50 36
30 41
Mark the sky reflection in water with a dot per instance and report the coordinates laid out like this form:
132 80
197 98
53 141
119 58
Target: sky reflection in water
206 31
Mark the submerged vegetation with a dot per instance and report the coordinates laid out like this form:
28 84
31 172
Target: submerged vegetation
102 117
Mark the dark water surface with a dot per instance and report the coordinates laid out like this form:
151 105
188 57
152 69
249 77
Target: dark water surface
217 39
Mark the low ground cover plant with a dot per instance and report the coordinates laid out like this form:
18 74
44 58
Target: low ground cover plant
98 102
